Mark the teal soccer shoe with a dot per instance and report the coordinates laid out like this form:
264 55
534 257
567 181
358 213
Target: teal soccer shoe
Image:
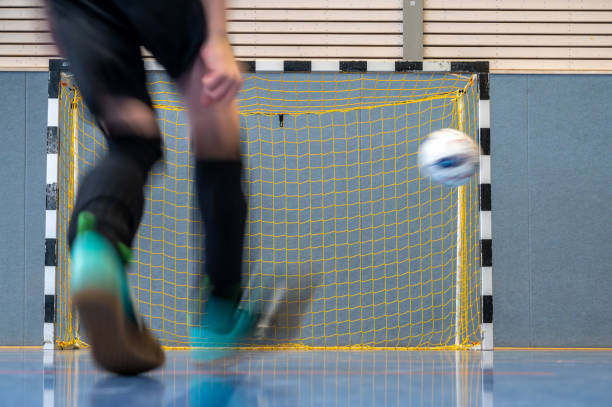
120 342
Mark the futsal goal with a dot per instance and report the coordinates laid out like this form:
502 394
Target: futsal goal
347 245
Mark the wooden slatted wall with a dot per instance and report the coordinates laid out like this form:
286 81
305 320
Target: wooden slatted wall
25 42
515 35
522 35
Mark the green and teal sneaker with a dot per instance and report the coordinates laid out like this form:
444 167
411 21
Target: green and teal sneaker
120 342
223 327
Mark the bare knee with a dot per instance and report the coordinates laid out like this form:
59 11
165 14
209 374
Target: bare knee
215 135
122 115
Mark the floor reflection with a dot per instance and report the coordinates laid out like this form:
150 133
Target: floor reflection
293 379
217 390
355 378
117 391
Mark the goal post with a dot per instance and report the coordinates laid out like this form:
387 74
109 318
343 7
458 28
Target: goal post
347 245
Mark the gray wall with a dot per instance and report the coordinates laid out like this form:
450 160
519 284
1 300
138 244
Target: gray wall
551 146
552 217
23 121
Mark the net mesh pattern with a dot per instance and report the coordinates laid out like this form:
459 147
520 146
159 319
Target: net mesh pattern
347 246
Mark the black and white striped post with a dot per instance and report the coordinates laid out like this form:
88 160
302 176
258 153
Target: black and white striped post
51 202
486 242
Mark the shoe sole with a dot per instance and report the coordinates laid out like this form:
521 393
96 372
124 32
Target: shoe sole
116 343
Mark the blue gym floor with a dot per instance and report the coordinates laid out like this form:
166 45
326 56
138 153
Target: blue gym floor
30 377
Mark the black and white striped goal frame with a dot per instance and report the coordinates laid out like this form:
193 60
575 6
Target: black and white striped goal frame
480 68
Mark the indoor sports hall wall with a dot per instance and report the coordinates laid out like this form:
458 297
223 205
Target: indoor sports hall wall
551 183
23 118
551 244
515 35
551 192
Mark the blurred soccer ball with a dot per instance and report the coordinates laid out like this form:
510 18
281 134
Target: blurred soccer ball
449 157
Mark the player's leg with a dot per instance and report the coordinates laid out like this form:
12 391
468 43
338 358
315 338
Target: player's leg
215 138
215 135
216 143
105 58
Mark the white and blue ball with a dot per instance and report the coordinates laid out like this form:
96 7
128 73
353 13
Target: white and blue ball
449 157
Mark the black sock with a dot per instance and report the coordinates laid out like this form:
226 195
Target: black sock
224 210
113 189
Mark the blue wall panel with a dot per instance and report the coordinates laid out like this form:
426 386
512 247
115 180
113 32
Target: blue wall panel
509 198
570 200
23 113
12 213
552 211
552 217
34 204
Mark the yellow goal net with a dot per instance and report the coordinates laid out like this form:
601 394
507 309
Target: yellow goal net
347 245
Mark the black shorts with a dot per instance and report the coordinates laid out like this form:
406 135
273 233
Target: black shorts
102 40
